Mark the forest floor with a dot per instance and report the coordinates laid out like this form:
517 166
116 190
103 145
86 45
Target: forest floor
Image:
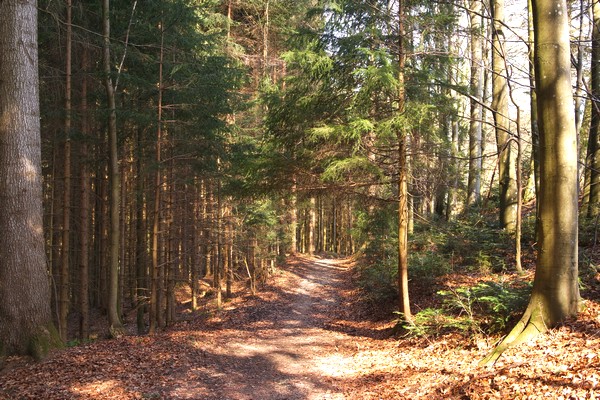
308 335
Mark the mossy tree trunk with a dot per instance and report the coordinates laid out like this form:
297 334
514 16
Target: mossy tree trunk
555 295
26 326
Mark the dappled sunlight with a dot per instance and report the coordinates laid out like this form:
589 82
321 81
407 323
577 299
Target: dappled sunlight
98 389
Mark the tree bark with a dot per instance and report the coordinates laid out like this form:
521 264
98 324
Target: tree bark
476 109
64 291
594 136
114 320
84 210
155 296
506 165
26 326
555 295
403 225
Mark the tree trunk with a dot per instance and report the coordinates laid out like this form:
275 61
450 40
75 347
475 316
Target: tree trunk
84 211
155 307
476 112
594 136
63 310
506 165
403 202
555 295
114 320
141 281
26 326
312 226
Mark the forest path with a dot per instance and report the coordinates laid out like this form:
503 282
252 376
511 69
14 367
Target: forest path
282 347
296 339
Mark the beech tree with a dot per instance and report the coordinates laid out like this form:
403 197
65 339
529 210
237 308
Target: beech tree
555 294
26 326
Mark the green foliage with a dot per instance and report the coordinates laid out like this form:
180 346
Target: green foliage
476 244
378 281
434 321
487 306
378 275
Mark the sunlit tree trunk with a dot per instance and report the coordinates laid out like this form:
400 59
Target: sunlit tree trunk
555 294
404 302
312 225
294 219
506 164
26 325
476 109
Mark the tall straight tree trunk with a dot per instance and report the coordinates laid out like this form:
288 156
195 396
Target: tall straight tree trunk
594 137
218 269
312 226
534 176
84 210
114 320
195 256
476 109
66 198
555 294
141 282
294 218
403 226
507 175
26 326
579 68
155 296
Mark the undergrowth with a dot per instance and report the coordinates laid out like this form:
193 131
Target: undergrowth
473 248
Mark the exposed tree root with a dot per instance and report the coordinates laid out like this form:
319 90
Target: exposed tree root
530 325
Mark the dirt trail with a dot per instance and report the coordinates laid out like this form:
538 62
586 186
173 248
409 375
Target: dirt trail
288 342
287 349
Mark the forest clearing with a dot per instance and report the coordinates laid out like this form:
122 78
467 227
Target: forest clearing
307 335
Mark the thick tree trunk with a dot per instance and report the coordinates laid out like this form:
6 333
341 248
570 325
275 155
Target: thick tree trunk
26 325
555 295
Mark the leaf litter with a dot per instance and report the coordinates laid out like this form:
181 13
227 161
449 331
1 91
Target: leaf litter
308 335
